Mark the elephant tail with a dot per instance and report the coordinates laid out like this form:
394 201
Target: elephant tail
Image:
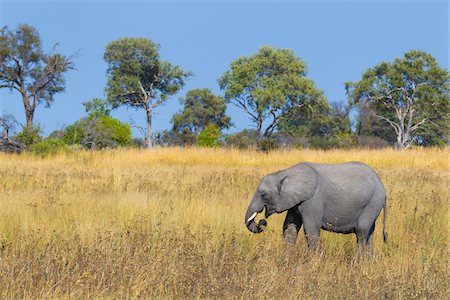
385 234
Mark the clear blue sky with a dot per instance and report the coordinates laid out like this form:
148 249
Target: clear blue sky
337 40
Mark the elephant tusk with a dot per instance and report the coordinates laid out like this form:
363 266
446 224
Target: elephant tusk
252 217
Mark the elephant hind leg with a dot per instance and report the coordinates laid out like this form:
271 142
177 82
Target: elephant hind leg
364 238
291 226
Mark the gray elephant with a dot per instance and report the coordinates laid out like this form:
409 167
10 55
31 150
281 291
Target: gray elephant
343 198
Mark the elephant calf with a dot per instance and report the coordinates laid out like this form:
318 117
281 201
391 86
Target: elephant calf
343 198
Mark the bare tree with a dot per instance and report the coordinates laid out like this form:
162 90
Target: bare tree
7 123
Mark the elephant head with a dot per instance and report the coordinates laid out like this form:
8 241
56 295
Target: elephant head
280 191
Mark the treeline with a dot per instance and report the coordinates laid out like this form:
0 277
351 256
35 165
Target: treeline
400 103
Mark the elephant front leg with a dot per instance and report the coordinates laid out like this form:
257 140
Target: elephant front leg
291 226
312 232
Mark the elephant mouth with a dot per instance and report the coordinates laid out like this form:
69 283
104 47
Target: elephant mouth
253 216
268 211
259 227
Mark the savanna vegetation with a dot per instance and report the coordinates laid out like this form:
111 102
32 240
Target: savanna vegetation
402 103
80 218
169 223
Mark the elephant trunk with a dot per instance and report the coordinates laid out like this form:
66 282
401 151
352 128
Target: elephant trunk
254 208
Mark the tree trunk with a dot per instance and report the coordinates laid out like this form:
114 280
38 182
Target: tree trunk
259 129
257 143
403 140
29 113
398 144
149 143
29 117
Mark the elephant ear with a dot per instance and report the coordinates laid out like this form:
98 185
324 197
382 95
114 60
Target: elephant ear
296 185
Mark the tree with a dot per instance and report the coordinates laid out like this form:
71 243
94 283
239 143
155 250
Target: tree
25 68
338 119
407 94
201 108
369 125
98 107
244 139
7 124
174 138
139 79
268 86
327 126
210 136
306 123
98 132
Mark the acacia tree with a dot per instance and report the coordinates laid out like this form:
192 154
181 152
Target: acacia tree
406 94
139 79
200 109
25 68
268 86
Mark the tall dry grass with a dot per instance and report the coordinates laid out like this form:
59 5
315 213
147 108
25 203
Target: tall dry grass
168 223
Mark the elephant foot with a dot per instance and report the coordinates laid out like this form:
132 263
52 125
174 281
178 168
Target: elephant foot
290 235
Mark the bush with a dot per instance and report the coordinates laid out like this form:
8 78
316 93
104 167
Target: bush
169 138
49 147
57 134
210 136
372 142
268 144
98 132
138 143
242 140
28 137
339 141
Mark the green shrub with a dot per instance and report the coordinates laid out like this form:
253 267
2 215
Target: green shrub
210 136
49 147
267 144
339 141
98 132
28 137
243 140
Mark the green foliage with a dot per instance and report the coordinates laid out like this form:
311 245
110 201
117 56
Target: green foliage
176 138
97 107
98 132
270 85
49 147
57 134
136 75
369 125
210 136
242 140
138 78
24 67
435 133
73 134
267 145
339 141
325 127
200 108
28 137
407 94
372 142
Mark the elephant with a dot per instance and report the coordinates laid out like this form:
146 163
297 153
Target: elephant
343 198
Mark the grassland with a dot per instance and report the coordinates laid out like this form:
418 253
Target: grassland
169 223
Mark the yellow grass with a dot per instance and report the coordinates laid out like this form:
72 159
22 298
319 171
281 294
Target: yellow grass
169 223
